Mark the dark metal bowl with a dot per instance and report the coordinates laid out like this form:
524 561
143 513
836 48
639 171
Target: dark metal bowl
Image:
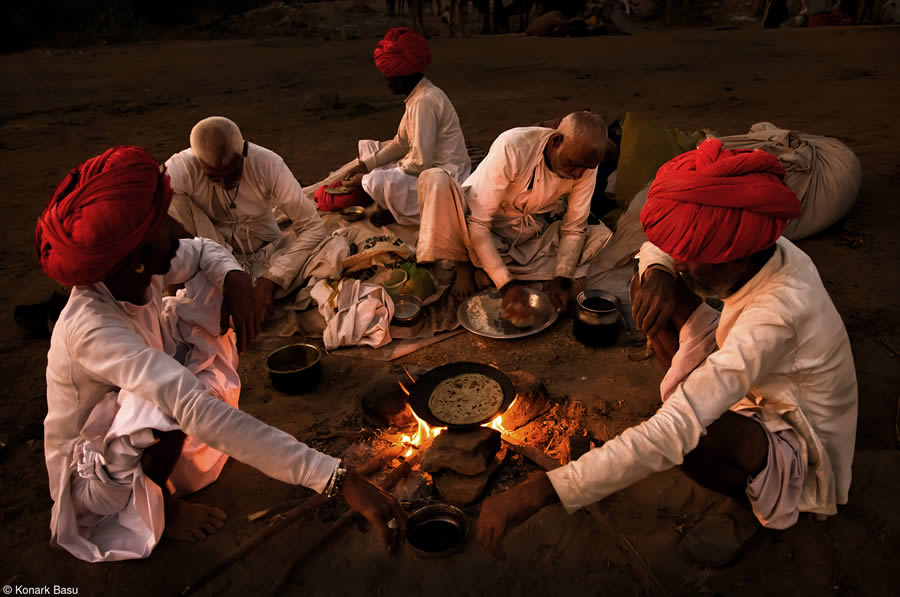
437 531
408 310
295 368
596 321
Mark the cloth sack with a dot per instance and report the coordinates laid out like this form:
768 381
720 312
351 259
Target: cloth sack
825 173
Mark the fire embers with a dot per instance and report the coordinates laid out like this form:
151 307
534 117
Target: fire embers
462 463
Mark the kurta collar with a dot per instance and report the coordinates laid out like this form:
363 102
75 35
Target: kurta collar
418 89
775 262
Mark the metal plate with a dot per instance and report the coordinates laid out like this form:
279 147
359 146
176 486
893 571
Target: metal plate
481 314
425 385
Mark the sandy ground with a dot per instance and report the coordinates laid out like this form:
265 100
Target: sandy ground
60 107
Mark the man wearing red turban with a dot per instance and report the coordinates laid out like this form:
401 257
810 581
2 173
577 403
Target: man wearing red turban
760 400
142 390
429 135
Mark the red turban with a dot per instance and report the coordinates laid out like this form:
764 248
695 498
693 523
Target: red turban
401 53
713 205
101 211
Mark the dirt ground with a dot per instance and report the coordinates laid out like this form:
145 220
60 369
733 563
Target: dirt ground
60 107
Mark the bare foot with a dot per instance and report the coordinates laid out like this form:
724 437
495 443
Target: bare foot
464 284
191 522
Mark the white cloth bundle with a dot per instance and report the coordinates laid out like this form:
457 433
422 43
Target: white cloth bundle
356 314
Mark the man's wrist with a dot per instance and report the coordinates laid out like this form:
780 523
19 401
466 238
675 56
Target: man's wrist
658 267
336 483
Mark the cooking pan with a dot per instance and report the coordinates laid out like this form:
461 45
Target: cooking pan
425 385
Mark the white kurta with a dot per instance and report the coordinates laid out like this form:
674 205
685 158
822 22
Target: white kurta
510 187
250 229
782 346
429 136
101 345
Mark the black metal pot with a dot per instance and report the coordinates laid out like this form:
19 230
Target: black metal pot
437 531
596 318
295 368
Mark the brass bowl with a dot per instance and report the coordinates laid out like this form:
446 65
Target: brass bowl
353 213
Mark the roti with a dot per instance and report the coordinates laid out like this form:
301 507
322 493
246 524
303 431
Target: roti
466 399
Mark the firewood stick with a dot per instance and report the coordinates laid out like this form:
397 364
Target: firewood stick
394 477
282 522
622 541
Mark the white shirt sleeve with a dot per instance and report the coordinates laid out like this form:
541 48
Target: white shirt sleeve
200 254
180 177
393 150
758 341
305 222
113 353
422 141
495 174
574 224
650 255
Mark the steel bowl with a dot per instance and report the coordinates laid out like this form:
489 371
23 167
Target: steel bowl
408 310
295 368
437 531
353 213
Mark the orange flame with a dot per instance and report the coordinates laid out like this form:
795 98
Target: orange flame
497 422
426 433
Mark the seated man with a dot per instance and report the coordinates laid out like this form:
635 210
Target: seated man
141 390
760 402
429 135
225 189
498 219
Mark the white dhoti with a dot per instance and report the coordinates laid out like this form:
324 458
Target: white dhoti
107 508
529 246
390 187
778 493
321 263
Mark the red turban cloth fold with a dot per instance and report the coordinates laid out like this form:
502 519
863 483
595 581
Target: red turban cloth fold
402 53
713 205
101 211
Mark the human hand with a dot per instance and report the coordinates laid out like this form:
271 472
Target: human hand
239 306
514 306
652 301
378 507
558 290
264 295
353 182
505 511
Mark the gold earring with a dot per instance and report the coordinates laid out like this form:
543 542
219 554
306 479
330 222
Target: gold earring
139 269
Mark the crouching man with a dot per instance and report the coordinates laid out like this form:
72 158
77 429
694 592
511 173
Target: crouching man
760 401
142 391
522 215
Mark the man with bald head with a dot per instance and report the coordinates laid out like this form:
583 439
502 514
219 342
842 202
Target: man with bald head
501 219
225 189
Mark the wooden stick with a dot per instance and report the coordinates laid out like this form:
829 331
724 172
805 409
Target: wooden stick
622 541
387 484
282 522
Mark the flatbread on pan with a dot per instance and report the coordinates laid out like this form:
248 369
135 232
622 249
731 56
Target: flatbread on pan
466 399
